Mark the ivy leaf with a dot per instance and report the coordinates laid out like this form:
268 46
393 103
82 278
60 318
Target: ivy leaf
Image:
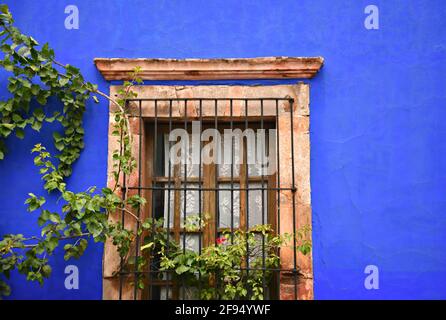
47 53
20 133
4 8
41 98
95 229
51 244
54 217
44 216
35 89
59 145
8 66
63 81
39 114
33 41
34 203
182 269
57 137
37 125
6 105
24 51
46 271
6 129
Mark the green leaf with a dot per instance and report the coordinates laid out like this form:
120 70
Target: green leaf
35 89
181 269
34 203
63 81
54 217
46 271
6 129
24 51
59 145
20 133
147 246
83 245
57 137
39 114
41 98
51 244
37 125
4 8
95 229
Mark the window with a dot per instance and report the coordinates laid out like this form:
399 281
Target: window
286 193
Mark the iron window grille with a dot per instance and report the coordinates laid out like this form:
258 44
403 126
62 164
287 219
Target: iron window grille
160 183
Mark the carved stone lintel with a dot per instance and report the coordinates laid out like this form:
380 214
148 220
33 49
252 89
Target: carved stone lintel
211 69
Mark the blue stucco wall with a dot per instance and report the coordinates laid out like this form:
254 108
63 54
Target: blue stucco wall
378 129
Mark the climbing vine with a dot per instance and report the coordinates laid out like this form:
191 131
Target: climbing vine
37 79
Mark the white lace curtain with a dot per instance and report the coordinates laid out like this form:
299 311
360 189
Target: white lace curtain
225 196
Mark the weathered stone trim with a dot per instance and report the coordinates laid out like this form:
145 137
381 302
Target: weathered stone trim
211 69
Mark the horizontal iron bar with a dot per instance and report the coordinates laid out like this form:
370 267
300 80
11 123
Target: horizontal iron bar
207 189
237 269
210 99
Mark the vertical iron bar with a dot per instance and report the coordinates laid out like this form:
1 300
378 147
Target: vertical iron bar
123 190
278 177
155 153
217 192
263 197
168 197
135 293
247 193
232 174
186 159
293 190
199 195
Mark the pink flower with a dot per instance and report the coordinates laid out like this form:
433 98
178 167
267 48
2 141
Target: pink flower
221 240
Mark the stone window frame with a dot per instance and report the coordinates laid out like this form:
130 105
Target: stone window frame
299 92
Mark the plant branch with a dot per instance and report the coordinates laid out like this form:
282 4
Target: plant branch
61 238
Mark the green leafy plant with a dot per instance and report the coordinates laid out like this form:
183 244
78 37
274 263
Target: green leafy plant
237 266
36 78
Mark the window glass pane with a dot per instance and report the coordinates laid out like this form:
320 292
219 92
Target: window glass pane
165 293
159 155
192 203
224 168
191 168
185 293
256 204
158 200
257 155
192 242
225 205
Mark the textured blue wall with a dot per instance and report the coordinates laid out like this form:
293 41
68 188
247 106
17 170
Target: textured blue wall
378 129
